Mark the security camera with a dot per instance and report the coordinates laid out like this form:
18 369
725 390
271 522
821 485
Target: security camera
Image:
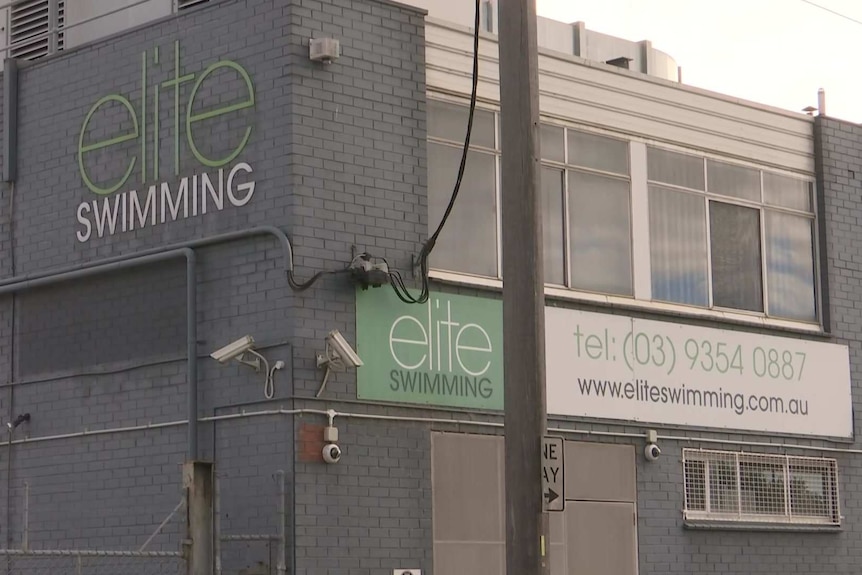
233 349
340 350
331 453
652 452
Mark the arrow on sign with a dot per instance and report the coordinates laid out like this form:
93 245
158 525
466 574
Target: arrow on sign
551 495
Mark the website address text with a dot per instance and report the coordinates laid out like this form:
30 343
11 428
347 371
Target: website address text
641 390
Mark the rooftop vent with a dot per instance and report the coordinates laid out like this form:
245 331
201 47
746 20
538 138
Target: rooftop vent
621 62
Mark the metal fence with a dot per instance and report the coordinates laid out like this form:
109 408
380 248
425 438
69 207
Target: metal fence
160 553
90 562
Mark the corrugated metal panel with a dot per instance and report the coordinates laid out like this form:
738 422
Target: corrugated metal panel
596 94
29 24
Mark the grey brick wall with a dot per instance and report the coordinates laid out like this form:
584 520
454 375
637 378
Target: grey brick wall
337 153
370 513
358 159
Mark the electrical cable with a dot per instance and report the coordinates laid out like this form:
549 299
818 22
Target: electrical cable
831 11
396 280
302 286
307 284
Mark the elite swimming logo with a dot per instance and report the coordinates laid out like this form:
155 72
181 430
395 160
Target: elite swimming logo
445 352
118 139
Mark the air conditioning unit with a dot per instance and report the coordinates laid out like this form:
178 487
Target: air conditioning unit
324 50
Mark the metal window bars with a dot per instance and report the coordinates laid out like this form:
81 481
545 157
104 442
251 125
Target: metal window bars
760 488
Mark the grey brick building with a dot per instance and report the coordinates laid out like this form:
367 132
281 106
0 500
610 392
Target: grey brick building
174 174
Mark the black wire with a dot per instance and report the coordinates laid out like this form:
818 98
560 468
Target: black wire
291 281
396 279
463 165
845 16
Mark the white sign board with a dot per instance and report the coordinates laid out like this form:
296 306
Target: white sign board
617 367
553 474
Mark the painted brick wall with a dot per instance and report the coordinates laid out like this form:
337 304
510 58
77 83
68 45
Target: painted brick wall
370 513
337 154
358 160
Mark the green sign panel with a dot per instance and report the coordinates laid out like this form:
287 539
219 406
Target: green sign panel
448 351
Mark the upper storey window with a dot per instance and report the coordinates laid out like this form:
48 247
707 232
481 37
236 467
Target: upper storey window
730 236
625 219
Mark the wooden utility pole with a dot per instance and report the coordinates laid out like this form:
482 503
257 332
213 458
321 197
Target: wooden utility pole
198 483
523 291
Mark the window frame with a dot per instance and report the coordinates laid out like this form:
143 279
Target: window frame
763 208
566 167
736 460
477 148
641 298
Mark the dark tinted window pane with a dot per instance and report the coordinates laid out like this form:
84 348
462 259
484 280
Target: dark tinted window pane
736 261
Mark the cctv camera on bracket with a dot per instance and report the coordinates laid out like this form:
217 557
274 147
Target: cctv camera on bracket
651 450
331 453
234 350
338 356
237 350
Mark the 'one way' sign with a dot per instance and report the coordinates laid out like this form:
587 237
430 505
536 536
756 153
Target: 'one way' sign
553 469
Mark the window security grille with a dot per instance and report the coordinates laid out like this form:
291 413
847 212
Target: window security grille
747 487
31 28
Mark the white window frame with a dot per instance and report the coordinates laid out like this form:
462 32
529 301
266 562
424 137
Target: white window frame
639 218
824 465
567 167
762 208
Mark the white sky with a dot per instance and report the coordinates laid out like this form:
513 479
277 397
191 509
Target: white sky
776 52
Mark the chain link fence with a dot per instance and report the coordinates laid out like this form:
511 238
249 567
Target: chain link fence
156 551
90 562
